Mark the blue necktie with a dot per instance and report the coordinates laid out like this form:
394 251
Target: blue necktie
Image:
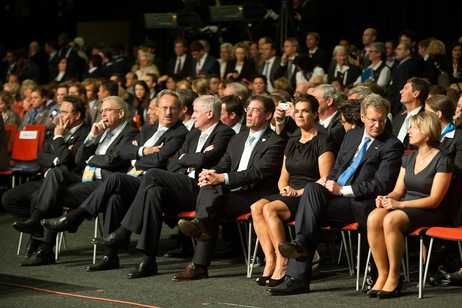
266 69
343 178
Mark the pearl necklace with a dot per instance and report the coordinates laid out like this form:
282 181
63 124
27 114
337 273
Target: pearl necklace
421 160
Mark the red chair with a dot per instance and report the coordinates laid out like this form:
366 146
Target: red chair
136 119
447 234
41 129
11 133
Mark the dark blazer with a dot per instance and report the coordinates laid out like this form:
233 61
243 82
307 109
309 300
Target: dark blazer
188 67
377 171
397 123
274 69
283 72
321 58
264 167
12 118
353 74
97 73
210 66
335 130
59 148
172 139
399 78
453 148
111 161
248 69
219 138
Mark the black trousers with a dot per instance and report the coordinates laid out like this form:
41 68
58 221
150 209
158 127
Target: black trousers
160 192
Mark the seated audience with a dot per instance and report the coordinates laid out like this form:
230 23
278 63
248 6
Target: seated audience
240 66
9 116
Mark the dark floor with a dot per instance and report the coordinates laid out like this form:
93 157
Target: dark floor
66 284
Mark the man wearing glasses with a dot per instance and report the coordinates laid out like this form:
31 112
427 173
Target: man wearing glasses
367 165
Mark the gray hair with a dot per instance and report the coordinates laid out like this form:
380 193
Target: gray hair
329 90
210 102
337 49
149 56
227 45
120 103
362 91
380 48
240 90
168 92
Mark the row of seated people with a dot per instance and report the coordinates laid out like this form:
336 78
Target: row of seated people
134 177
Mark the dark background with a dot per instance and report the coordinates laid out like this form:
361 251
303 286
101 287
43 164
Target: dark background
23 21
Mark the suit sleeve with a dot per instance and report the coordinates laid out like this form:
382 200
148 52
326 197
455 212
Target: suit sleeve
263 166
110 160
61 148
206 159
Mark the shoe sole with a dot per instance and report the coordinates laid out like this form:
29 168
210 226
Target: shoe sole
287 251
191 230
190 279
24 229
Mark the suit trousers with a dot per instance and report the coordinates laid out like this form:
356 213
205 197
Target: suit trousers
215 203
19 201
113 198
318 207
160 192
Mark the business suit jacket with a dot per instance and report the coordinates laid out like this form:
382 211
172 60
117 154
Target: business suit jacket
12 118
187 68
274 69
397 123
210 66
111 161
58 148
399 78
42 118
172 139
353 73
219 138
321 58
283 71
247 72
335 130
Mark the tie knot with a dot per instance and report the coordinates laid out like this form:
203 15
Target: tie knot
367 139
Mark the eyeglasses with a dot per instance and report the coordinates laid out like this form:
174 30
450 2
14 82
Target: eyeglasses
374 121
108 109
253 110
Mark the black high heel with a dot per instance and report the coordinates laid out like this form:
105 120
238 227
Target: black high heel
372 293
391 294
275 282
261 281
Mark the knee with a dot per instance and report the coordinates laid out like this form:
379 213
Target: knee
391 222
268 211
257 209
375 220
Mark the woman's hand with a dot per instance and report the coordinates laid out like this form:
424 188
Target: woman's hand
288 192
391 204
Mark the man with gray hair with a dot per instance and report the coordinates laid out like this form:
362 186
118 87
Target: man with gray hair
329 99
238 89
377 70
359 92
151 148
175 189
99 156
225 55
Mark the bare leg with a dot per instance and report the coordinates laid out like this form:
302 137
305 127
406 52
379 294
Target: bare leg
262 231
275 213
376 238
394 225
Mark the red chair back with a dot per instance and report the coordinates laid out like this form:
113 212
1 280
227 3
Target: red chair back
40 128
136 119
26 145
11 133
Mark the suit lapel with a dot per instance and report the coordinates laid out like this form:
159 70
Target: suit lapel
261 144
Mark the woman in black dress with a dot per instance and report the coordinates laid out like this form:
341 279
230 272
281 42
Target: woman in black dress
422 183
306 159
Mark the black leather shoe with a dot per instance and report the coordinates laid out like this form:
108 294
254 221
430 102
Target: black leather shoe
104 265
455 278
31 247
440 277
111 240
289 286
30 227
193 228
144 269
39 257
59 224
391 294
294 250
372 293
180 252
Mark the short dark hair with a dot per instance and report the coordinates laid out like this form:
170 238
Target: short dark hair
260 76
421 85
196 46
233 104
267 102
351 111
78 105
111 86
186 98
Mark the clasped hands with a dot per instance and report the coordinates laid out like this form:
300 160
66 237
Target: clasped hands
331 186
387 203
210 177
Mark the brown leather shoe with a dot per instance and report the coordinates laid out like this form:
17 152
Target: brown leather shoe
191 272
193 228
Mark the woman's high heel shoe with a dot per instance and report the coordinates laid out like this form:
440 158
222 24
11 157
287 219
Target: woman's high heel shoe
390 294
372 293
261 281
275 282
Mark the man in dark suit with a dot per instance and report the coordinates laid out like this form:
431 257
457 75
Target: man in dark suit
248 171
288 65
406 68
59 152
367 165
159 189
203 62
182 64
270 65
100 156
329 99
369 36
318 55
232 113
413 96
151 148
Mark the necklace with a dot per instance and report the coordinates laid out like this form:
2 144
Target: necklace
421 159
